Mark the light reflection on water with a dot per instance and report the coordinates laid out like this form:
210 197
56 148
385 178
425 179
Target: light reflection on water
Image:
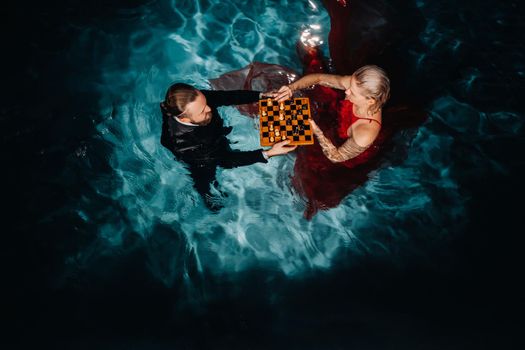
262 222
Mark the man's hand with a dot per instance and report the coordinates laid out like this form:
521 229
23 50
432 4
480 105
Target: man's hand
267 94
284 93
280 148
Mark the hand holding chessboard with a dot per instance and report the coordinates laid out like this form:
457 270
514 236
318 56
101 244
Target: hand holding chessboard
288 120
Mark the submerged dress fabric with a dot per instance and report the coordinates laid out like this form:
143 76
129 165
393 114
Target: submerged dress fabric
321 183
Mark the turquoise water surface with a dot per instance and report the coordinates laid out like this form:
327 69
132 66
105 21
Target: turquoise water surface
109 246
262 222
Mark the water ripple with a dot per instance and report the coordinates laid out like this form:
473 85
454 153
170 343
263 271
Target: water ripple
150 194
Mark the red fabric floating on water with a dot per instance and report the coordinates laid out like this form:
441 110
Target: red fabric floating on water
255 76
321 183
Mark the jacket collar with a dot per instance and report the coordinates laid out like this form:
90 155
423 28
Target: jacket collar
184 123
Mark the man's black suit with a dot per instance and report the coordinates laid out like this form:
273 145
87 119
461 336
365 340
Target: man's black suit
203 148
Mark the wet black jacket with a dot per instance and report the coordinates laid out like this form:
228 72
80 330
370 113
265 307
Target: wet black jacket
202 146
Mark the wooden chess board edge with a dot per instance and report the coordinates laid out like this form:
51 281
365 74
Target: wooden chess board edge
267 143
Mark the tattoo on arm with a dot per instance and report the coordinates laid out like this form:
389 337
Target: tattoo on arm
347 151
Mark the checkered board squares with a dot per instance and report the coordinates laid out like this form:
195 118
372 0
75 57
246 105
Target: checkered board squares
288 120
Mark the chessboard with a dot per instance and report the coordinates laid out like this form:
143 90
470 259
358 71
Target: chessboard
288 120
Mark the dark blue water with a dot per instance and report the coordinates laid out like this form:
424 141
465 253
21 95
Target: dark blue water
107 245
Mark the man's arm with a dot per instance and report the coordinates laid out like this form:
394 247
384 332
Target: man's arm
218 98
234 159
240 158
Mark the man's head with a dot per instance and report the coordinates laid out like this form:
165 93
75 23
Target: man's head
188 104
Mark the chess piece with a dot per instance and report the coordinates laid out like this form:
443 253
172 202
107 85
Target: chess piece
276 118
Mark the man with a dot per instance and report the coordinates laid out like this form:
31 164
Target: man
193 131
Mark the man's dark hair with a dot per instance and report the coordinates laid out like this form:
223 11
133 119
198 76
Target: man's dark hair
177 97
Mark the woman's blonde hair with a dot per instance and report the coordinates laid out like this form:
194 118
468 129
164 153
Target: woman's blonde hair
375 84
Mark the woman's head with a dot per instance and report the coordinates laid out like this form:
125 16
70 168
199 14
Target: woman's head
370 86
186 103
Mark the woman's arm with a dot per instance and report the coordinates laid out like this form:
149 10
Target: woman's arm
330 80
350 149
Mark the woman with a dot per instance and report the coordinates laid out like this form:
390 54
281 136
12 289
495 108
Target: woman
355 133
360 116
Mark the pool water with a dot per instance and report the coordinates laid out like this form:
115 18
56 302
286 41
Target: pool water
117 211
262 221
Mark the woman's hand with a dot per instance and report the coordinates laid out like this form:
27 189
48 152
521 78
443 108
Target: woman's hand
284 93
268 94
280 148
314 126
